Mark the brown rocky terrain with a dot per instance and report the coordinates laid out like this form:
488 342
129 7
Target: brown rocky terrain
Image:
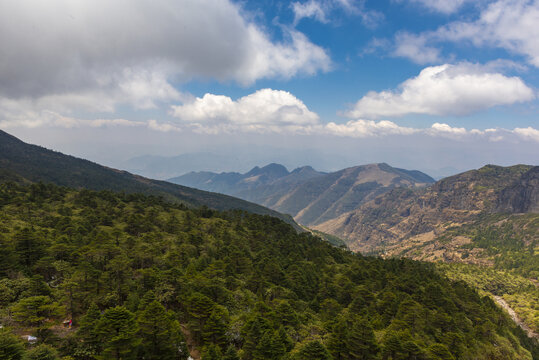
412 222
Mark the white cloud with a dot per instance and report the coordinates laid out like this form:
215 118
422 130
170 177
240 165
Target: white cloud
66 56
415 48
367 128
163 127
444 90
22 114
264 110
505 24
528 133
310 9
320 10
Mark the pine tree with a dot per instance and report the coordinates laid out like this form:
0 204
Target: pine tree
11 348
41 352
117 329
28 247
35 309
337 342
231 354
270 346
252 333
160 334
361 343
212 352
88 330
199 307
216 327
440 352
313 350
285 339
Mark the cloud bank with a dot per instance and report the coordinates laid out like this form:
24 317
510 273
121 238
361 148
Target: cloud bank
269 111
77 55
460 89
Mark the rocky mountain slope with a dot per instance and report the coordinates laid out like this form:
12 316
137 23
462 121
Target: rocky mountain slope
409 221
26 163
311 197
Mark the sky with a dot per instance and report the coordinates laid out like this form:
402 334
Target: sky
436 85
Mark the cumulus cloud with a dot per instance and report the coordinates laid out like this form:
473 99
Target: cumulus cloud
320 10
444 90
77 55
528 133
367 128
264 110
505 24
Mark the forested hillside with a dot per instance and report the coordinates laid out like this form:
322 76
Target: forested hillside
26 163
142 278
486 217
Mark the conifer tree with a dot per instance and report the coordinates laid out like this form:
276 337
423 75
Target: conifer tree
313 350
337 342
231 354
160 334
361 343
212 352
11 348
216 326
88 330
270 346
440 352
41 352
117 329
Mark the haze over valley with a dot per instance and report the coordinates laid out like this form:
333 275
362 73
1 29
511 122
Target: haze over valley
269 180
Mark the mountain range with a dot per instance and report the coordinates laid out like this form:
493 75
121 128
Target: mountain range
415 222
26 163
310 196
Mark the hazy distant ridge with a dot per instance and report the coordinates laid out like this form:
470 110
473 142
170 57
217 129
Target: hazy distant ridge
310 196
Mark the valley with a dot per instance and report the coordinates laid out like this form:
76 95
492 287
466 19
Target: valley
186 269
486 217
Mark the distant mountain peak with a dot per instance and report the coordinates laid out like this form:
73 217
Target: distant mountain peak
272 171
28 163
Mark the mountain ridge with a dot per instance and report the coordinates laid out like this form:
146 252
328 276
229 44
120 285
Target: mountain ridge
24 162
402 214
311 197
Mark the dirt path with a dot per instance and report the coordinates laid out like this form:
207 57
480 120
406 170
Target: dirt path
193 351
516 319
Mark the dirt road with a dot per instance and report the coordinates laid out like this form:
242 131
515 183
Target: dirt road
515 318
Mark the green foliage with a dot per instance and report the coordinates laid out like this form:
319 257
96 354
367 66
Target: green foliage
160 333
141 278
117 329
41 352
35 310
11 348
313 350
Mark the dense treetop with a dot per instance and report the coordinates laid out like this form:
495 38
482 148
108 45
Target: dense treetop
142 278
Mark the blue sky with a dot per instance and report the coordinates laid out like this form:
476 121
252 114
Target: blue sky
454 83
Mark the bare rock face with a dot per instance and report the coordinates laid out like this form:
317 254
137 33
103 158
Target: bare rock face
411 218
523 196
